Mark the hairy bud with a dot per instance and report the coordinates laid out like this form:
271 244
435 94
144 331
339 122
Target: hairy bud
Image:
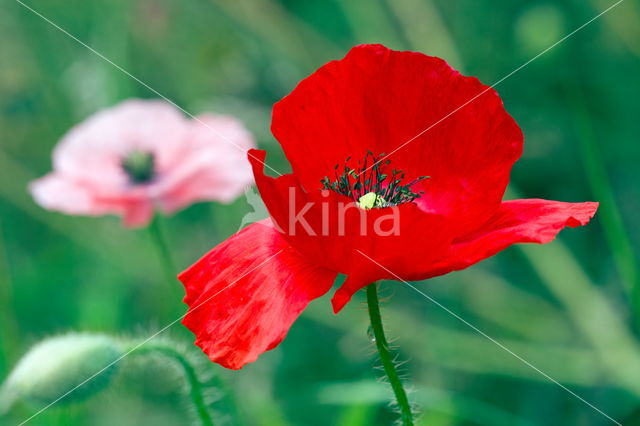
60 368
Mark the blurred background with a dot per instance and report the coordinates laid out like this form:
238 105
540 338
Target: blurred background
565 307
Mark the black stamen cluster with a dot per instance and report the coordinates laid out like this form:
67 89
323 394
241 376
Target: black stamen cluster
139 166
355 183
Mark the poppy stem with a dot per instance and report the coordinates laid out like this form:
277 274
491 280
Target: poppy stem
386 357
160 242
194 385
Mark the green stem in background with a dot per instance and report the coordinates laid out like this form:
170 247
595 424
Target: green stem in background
424 29
614 228
164 254
9 330
160 241
385 355
195 390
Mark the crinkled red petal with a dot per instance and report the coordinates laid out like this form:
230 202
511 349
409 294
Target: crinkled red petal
244 294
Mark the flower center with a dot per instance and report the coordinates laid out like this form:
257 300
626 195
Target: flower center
369 186
371 200
139 166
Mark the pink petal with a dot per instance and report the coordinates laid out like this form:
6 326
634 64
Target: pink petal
213 168
92 151
60 193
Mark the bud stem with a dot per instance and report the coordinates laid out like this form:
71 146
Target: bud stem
386 358
195 386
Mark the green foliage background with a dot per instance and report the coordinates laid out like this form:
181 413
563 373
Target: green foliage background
564 307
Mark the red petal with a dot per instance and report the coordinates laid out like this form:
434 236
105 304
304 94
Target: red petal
358 279
244 294
517 221
378 99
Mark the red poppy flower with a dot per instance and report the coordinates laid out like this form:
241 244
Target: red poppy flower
348 130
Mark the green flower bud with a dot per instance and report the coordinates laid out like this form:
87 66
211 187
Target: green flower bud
59 364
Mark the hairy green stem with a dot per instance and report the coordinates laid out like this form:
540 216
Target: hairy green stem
385 355
195 386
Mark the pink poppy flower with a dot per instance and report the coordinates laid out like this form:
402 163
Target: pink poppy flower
142 155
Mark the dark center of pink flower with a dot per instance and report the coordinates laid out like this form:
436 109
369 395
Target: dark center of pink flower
369 185
139 166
